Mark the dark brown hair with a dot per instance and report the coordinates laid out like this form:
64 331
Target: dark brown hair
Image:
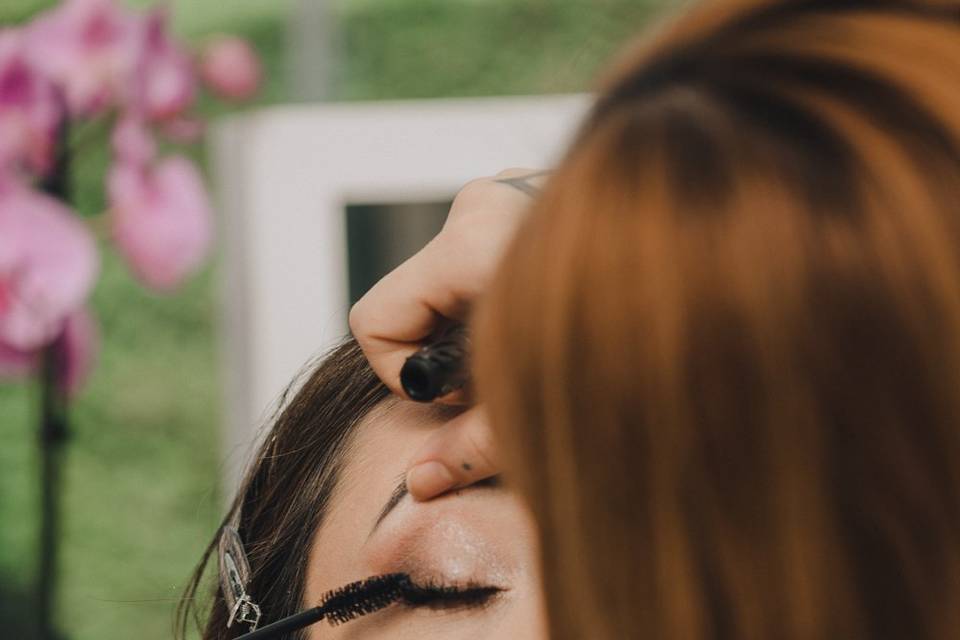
723 353
285 493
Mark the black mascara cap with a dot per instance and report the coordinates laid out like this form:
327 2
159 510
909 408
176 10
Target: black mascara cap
438 368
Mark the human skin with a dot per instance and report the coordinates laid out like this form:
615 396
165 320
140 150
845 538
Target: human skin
480 535
443 281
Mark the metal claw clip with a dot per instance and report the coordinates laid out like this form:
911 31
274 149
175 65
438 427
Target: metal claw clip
234 579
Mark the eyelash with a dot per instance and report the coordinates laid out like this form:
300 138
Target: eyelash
442 597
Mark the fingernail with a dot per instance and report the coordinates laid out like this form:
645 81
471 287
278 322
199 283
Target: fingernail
429 479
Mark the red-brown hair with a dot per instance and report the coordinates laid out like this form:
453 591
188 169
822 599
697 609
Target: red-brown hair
723 353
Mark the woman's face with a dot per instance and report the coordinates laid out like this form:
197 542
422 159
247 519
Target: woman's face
479 538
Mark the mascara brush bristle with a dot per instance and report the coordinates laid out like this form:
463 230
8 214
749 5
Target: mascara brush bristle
365 596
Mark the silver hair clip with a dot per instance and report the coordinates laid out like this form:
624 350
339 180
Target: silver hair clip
234 578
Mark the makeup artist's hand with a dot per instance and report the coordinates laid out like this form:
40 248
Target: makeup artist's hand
438 284
459 453
441 282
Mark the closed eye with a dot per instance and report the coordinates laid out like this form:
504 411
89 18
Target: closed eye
438 596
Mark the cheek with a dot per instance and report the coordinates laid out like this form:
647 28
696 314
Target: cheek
527 616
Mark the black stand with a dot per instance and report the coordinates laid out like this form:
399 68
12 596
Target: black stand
52 435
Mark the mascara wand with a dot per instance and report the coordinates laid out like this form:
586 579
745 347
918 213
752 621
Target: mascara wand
341 605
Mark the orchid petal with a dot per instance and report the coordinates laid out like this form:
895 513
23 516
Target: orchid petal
88 48
166 74
29 111
48 264
162 221
15 363
231 68
76 351
132 142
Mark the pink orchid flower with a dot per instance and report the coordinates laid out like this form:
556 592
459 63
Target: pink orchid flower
132 142
15 363
89 48
184 129
75 351
231 68
166 82
162 221
29 111
48 265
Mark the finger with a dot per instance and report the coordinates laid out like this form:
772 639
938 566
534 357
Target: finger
392 320
460 453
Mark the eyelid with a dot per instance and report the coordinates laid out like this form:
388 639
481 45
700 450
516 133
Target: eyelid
400 492
434 595
452 540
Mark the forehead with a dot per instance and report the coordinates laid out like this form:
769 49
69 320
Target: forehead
377 457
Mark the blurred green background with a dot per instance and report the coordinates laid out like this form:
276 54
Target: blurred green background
142 478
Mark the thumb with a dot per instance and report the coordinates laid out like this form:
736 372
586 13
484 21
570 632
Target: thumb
460 453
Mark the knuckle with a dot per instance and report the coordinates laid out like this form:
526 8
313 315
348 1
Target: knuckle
469 194
357 317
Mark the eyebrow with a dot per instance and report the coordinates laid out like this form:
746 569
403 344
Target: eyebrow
400 492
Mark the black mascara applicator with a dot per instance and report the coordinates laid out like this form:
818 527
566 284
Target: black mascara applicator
341 605
439 367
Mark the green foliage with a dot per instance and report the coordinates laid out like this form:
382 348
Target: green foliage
398 48
15 11
142 477
141 467
142 470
